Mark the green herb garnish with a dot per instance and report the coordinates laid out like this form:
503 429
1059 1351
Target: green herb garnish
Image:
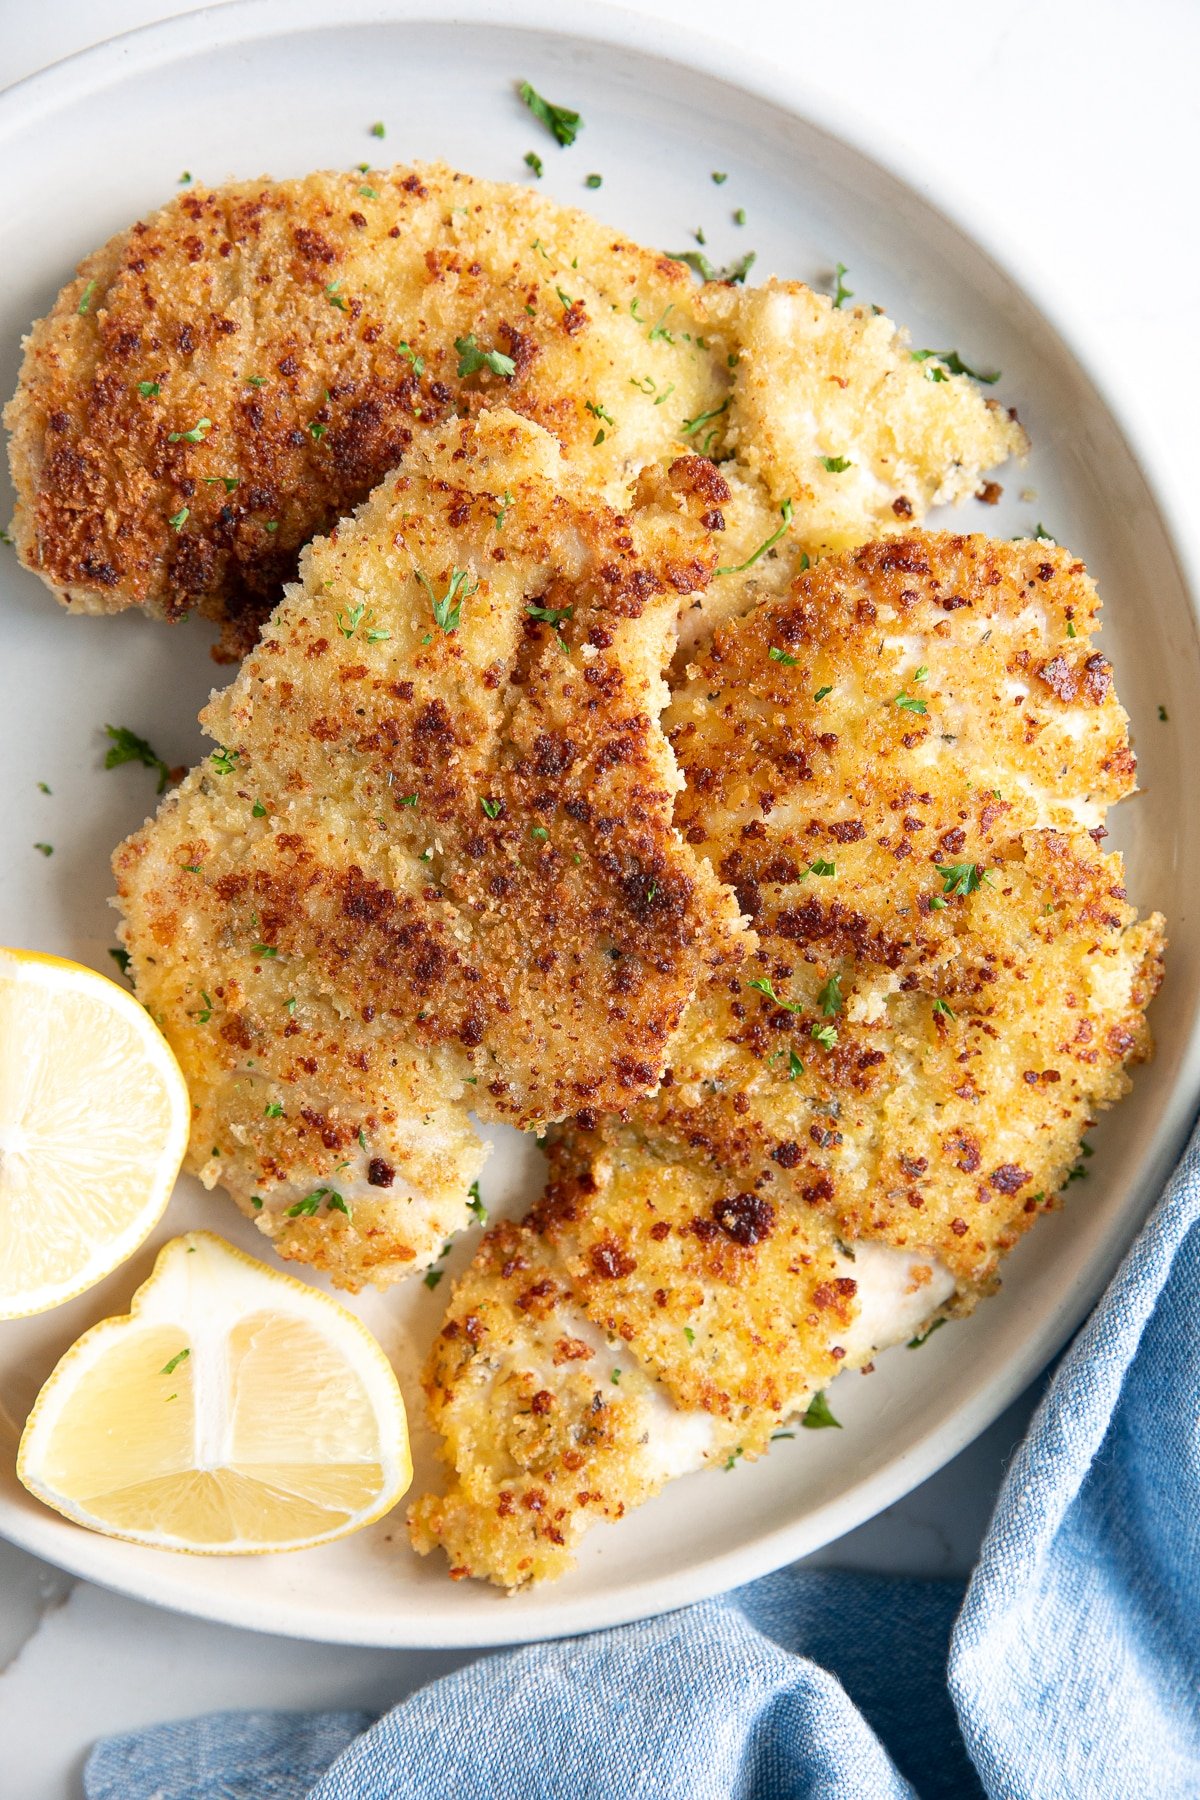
785 512
127 746
471 359
818 1417
561 122
196 435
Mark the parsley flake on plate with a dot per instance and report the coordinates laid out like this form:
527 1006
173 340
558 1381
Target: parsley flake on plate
126 746
563 124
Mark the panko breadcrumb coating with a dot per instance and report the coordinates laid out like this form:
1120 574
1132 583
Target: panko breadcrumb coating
431 865
901 768
225 380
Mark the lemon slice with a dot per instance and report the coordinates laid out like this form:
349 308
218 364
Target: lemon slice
93 1125
231 1412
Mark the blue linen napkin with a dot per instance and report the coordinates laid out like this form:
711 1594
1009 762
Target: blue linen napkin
1072 1670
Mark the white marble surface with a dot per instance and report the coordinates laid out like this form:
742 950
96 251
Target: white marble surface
1074 123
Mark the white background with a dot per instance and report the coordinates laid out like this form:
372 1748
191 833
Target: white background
1074 126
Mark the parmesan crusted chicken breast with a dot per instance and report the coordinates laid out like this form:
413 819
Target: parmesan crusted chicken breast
228 378
431 866
902 768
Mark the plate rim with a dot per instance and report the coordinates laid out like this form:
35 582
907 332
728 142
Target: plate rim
694 50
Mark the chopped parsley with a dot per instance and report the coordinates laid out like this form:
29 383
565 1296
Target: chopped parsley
228 482
196 435
841 292
954 362
533 161
258 810
85 299
505 507
781 656
263 950
660 329
689 1334
304 1209
447 612
960 878
348 622
149 390
924 1336
598 412
825 1035
368 193
785 512
178 520
594 181
561 122
550 615
408 800
733 1456
418 362
206 1012
818 1417
942 1006
46 849
169 1368
256 381
44 788
909 704
830 997
739 217
273 1110
615 1377
224 761
491 807
822 693
337 1204
539 832
690 427
1162 713
475 1203
121 958
700 265
719 176
795 1066
433 1277
764 987
471 359
127 746
316 430
378 129
821 867
836 465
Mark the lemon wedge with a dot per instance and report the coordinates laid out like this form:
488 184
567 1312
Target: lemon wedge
233 1411
93 1125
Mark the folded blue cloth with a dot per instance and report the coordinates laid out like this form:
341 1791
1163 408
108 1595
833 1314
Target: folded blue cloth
1072 1670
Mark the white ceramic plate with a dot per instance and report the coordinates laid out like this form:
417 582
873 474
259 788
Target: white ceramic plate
274 86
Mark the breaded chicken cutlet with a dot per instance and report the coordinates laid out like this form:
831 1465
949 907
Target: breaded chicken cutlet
227 379
431 867
903 769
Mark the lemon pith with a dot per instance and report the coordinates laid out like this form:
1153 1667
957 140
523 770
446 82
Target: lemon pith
233 1410
93 1125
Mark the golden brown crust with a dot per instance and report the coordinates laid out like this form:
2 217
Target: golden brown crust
250 362
940 942
947 982
313 325
432 864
